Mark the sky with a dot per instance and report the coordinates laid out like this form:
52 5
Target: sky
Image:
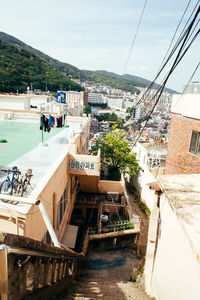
97 34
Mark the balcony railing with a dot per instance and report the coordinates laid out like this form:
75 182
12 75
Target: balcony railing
119 226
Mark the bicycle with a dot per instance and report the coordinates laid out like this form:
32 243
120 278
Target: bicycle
24 183
10 184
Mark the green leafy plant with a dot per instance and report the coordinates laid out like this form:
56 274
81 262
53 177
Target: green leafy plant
145 208
117 155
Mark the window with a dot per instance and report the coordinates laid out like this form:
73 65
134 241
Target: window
195 143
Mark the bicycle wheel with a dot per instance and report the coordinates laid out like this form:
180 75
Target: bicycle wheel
6 188
20 189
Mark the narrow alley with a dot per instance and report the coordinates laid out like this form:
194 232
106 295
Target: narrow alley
107 274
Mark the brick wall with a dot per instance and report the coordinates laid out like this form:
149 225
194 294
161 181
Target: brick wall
179 160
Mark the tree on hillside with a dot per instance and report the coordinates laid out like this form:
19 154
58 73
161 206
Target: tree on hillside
117 155
129 110
87 110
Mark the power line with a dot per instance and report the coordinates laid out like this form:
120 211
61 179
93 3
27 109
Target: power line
195 36
133 42
181 37
176 32
177 60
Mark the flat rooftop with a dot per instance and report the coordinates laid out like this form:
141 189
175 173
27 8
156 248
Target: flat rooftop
183 192
22 136
42 157
160 148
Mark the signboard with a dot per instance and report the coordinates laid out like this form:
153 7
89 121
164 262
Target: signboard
61 97
82 165
94 110
134 112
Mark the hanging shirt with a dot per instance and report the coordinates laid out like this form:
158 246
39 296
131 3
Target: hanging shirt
50 120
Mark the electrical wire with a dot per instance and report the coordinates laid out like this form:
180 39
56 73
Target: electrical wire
180 56
133 42
183 33
177 60
176 30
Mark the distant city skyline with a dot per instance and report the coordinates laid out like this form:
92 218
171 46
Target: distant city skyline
97 35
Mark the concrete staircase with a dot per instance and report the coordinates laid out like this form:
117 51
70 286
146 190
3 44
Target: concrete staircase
106 276
85 289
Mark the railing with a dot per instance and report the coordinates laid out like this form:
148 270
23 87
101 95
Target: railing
34 273
97 197
119 226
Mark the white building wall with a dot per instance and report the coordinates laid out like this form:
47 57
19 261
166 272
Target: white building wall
187 105
127 104
94 98
176 271
74 98
15 102
192 88
116 103
142 155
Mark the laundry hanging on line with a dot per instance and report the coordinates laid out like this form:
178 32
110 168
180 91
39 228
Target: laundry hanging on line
47 122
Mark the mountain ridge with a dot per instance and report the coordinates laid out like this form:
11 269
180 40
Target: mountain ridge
126 82
20 69
138 79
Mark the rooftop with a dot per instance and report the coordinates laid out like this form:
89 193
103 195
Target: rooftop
183 193
41 158
22 135
160 148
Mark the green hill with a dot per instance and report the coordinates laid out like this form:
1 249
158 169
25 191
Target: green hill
113 80
63 67
67 69
134 80
126 82
20 69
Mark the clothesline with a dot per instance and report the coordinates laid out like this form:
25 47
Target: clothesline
46 123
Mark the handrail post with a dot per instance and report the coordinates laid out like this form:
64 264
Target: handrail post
3 274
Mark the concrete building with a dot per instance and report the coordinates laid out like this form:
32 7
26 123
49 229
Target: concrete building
192 88
95 98
74 99
183 154
115 102
54 186
172 267
61 167
26 102
28 106
151 155
151 158
85 98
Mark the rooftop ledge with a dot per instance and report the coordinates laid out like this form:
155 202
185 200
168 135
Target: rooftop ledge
79 164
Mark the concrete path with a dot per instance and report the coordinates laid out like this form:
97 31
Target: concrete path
136 209
107 276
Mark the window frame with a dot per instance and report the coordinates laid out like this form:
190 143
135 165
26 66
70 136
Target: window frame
194 146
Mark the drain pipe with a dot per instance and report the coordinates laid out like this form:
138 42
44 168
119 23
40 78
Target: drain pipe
45 216
49 225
